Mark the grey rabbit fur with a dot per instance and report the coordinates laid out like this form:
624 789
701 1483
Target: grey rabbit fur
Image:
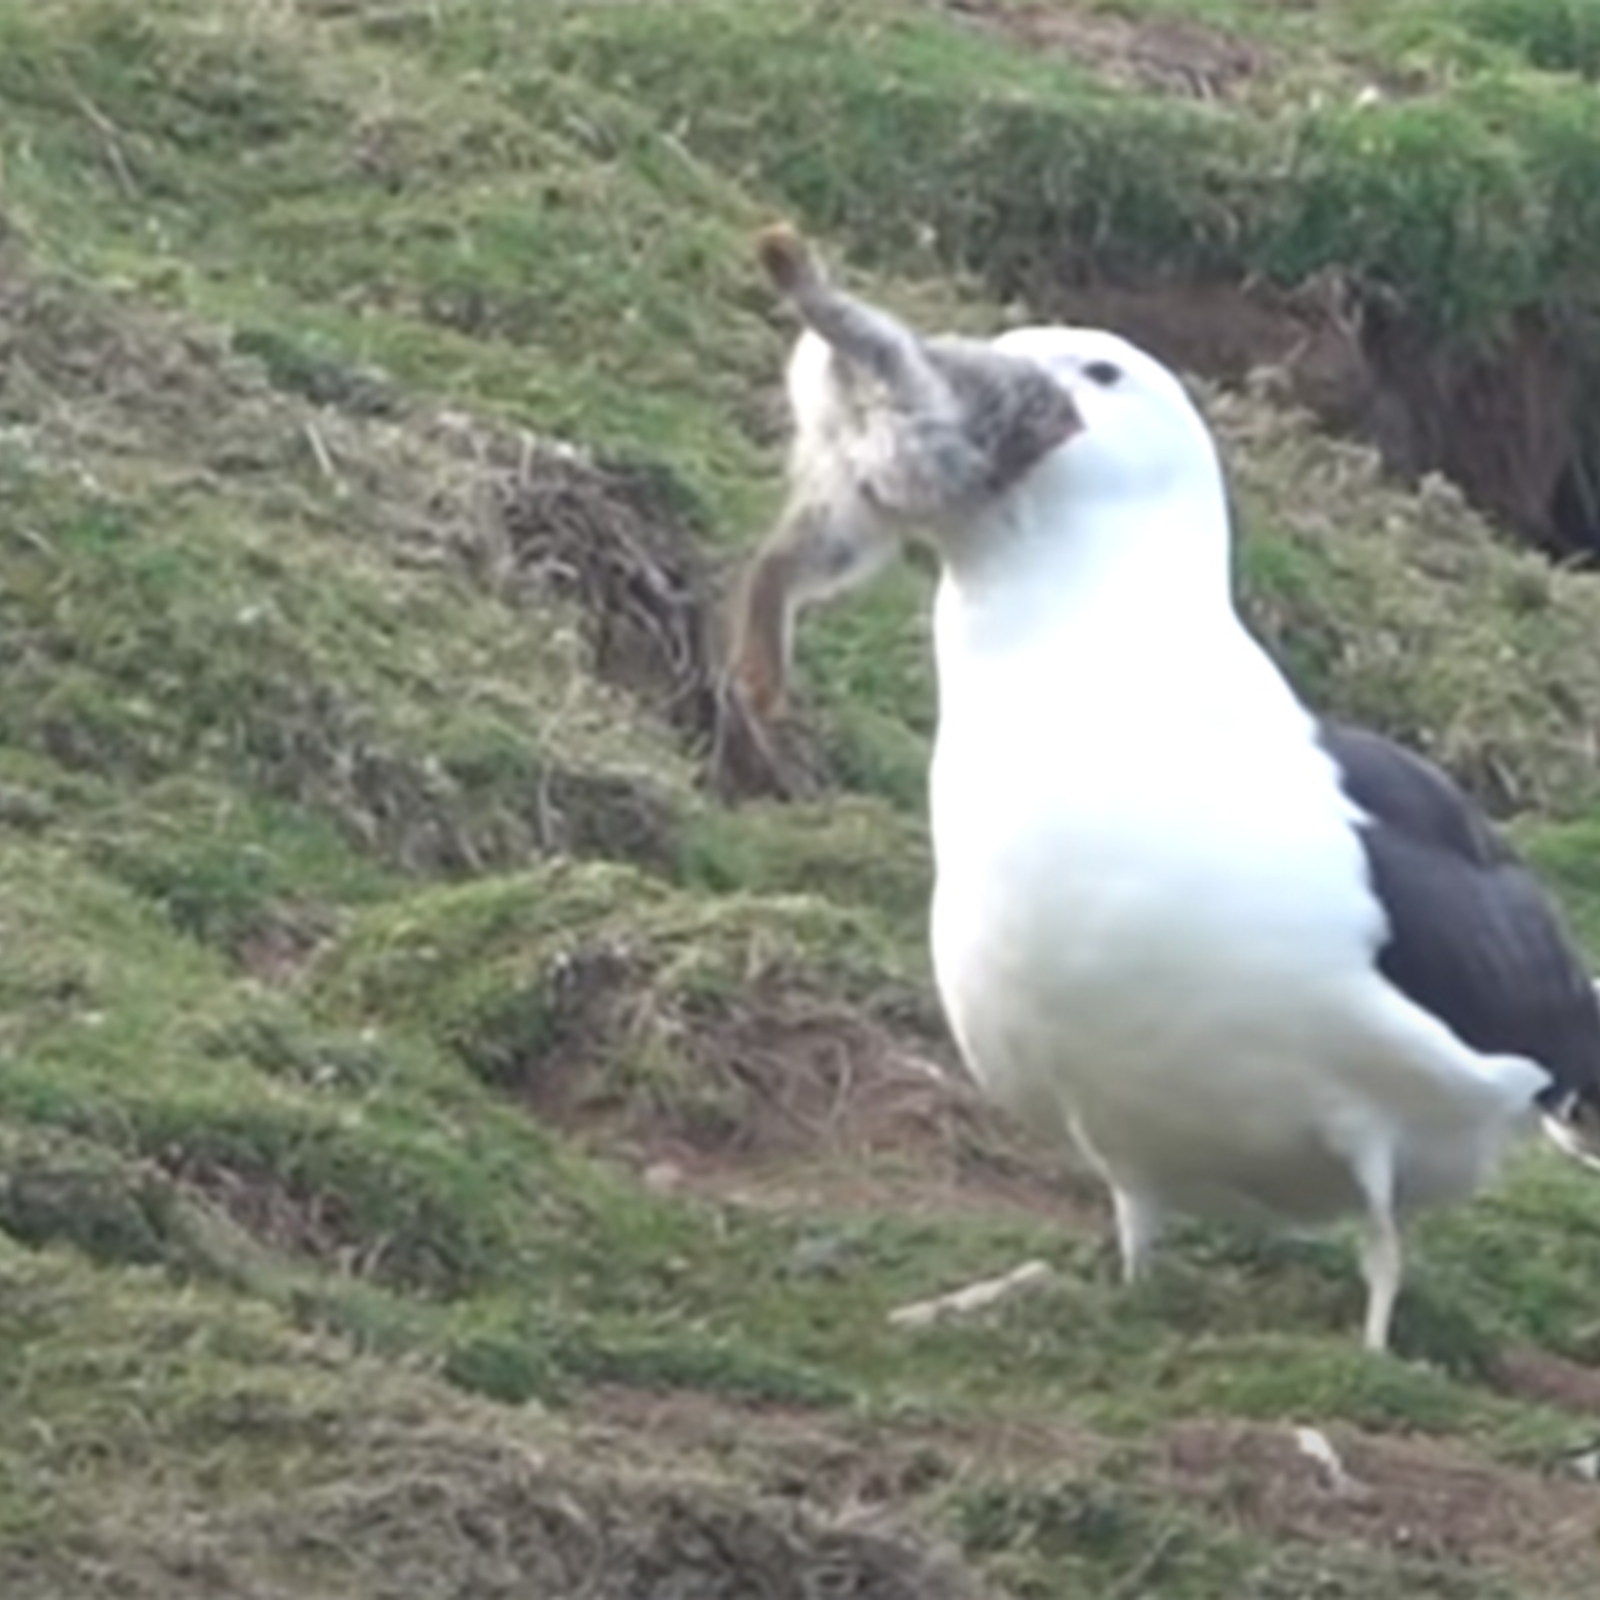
892 432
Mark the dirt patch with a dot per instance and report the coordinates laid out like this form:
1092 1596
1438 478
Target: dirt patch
819 1077
834 1463
1537 1375
274 1214
910 1184
1169 55
766 1092
280 941
1501 422
1418 1498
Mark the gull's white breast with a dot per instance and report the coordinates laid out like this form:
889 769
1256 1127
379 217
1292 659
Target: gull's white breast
1152 925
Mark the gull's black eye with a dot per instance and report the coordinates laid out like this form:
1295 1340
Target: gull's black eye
1104 373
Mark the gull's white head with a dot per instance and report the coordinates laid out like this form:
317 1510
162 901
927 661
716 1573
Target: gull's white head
1130 510
1126 517
1143 438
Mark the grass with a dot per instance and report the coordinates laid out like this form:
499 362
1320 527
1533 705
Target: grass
441 1150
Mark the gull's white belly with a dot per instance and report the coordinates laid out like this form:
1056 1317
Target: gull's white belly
1192 1056
1165 1024
1183 978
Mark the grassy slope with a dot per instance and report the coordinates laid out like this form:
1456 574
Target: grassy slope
402 1145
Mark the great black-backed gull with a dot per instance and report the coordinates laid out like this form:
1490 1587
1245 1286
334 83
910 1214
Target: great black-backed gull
1254 962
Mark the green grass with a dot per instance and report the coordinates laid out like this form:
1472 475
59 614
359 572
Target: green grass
441 1150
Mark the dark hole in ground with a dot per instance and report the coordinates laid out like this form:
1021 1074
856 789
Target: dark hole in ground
1575 511
1504 421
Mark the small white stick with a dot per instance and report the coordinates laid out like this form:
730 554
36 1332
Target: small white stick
1314 1442
320 450
975 1297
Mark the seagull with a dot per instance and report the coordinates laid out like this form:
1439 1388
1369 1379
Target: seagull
1251 961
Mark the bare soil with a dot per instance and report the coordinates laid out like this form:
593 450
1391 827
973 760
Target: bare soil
1417 1497
1170 55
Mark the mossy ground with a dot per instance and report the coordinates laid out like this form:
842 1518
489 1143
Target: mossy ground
441 1151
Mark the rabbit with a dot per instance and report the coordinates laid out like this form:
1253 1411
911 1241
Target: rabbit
892 432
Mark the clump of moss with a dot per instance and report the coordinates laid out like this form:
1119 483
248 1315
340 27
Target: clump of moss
56 1188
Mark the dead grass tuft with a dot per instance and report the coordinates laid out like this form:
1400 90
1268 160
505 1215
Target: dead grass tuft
469 1521
1542 1376
750 1075
623 543
308 1225
618 541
